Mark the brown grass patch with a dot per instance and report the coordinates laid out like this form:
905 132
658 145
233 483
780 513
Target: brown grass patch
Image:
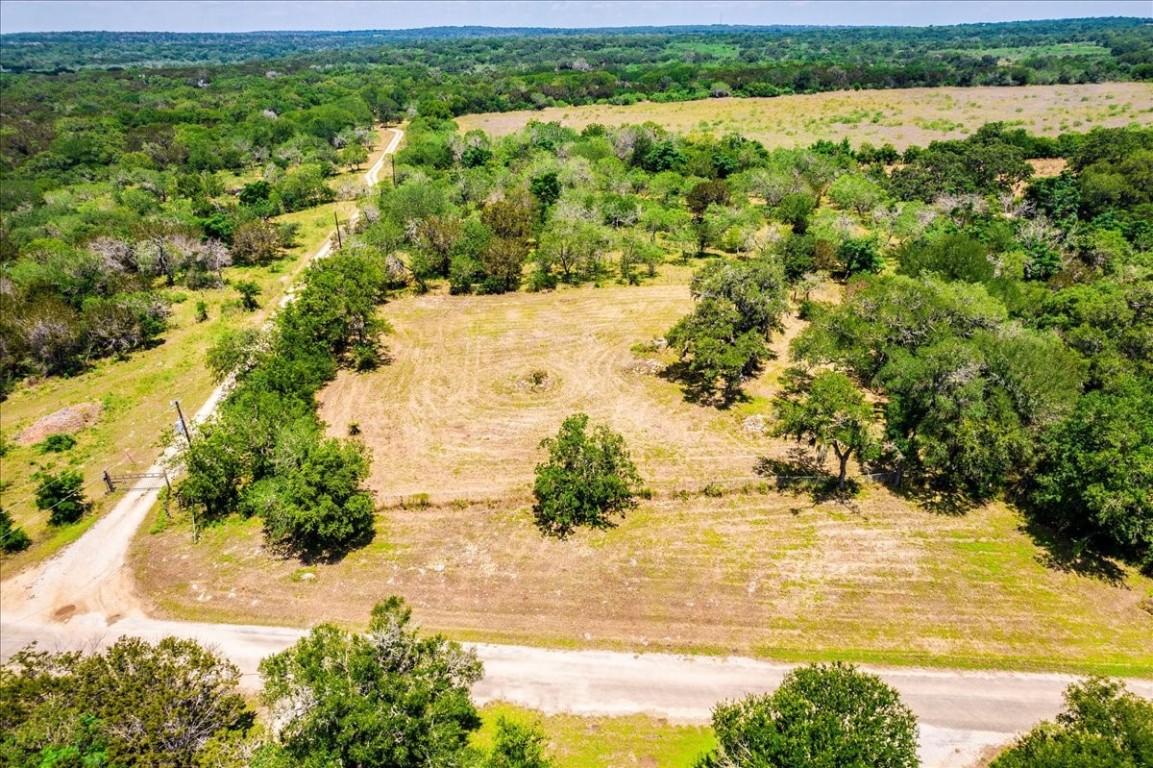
902 117
456 414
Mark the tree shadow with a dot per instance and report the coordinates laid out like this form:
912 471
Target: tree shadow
939 501
1070 556
700 391
804 472
328 555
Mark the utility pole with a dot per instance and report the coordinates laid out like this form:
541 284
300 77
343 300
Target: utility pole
339 240
393 158
183 423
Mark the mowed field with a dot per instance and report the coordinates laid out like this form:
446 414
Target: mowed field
903 117
750 571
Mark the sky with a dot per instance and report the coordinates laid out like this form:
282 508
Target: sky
250 15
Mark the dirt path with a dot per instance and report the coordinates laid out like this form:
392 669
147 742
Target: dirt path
85 596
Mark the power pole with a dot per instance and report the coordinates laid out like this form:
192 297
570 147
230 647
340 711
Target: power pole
393 158
183 423
339 240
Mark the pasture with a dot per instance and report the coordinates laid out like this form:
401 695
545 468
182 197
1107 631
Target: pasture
902 117
717 562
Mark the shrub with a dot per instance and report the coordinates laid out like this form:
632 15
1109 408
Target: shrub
12 537
56 444
62 496
586 479
823 714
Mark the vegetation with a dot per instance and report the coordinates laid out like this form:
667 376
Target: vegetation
134 704
587 479
264 453
12 537
833 414
1102 724
724 340
828 714
537 67
384 698
61 495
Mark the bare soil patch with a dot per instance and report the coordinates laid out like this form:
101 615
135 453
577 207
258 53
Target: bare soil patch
65 421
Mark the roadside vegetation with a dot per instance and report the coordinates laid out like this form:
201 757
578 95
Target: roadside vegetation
392 696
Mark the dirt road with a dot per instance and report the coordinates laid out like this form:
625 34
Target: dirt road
84 597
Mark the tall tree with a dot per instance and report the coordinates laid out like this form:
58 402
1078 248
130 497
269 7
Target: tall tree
832 414
388 697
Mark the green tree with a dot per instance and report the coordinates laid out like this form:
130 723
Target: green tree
61 494
248 290
354 155
546 188
12 537
384 699
724 339
1103 724
717 353
588 478
832 414
1094 479
135 704
822 715
315 504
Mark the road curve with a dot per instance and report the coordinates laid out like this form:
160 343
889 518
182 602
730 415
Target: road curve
85 597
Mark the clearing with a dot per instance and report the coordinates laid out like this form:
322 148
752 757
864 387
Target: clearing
751 572
902 117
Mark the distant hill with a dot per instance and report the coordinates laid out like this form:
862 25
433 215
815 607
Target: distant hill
63 51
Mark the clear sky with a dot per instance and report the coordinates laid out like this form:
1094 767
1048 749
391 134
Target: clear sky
249 15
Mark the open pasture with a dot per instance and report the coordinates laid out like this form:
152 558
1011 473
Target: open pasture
458 414
457 417
902 117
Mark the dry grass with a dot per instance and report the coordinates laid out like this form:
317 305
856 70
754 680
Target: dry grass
753 573
913 116
460 419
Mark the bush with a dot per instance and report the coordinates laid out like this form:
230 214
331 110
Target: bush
12 537
1103 724
62 496
56 444
587 478
823 714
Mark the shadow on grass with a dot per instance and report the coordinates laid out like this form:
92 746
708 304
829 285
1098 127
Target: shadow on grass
1073 556
804 472
700 391
325 556
939 501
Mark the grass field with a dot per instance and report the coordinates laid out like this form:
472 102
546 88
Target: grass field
901 117
604 742
136 393
753 572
